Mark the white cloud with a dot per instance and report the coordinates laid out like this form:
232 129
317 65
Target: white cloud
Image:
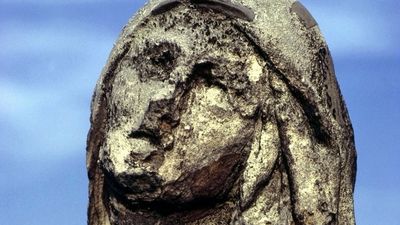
22 37
356 28
50 115
13 99
50 121
352 34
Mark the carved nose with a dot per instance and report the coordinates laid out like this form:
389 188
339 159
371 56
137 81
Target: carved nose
158 122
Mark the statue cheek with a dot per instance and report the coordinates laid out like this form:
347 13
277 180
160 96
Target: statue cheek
216 177
209 182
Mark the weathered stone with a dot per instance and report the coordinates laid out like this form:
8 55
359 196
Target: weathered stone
220 112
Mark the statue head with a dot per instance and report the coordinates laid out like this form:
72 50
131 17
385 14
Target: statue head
198 105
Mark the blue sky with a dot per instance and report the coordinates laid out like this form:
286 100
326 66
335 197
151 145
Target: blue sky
52 51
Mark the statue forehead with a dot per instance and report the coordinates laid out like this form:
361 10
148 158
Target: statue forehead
191 27
185 37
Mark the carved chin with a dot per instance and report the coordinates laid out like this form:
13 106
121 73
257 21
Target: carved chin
209 182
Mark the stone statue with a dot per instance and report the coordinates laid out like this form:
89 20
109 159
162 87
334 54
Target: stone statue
220 112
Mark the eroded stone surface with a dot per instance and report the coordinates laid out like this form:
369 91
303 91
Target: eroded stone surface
208 114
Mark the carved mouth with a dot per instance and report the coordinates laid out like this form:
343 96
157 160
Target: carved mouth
148 135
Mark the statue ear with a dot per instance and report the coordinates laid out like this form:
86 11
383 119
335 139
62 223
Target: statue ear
261 160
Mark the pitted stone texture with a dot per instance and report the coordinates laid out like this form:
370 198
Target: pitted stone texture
208 114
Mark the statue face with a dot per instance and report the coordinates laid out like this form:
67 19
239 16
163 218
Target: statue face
191 124
174 115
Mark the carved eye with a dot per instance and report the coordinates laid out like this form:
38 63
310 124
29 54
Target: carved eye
158 60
